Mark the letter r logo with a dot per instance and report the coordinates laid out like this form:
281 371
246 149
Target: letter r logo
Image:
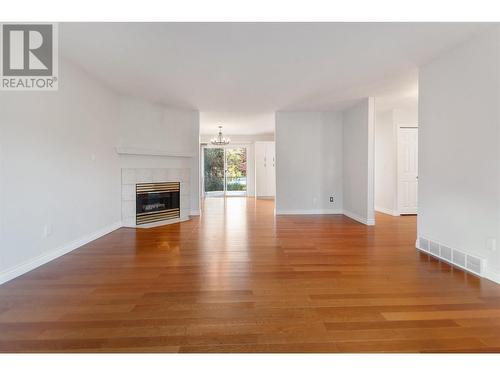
27 50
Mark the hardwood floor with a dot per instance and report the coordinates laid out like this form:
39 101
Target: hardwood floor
239 279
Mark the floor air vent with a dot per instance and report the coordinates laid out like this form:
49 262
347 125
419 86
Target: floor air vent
468 262
458 258
434 249
474 264
424 244
446 253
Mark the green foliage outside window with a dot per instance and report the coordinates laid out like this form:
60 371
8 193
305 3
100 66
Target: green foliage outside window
236 165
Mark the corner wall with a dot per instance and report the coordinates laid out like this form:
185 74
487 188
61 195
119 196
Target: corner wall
308 162
60 173
459 150
358 161
59 170
156 128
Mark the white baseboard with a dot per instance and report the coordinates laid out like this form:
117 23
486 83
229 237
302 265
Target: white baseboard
194 213
493 276
387 211
326 211
319 211
36 262
362 220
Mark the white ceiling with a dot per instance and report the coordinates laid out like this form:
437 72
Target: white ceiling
240 123
239 74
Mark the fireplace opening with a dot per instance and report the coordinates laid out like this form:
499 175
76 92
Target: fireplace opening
157 201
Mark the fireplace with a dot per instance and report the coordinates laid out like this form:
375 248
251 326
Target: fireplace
157 201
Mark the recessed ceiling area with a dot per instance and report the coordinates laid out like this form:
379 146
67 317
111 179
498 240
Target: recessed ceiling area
237 123
239 74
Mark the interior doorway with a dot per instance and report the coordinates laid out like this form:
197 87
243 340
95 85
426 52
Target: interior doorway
396 163
224 171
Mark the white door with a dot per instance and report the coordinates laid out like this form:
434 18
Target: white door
260 169
271 170
407 170
265 169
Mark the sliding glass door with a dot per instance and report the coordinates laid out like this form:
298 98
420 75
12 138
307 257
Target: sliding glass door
225 171
236 171
213 171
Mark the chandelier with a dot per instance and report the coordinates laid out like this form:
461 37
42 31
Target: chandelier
220 140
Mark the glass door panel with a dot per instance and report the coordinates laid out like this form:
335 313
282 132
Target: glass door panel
236 171
214 171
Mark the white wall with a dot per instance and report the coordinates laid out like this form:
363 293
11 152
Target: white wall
406 116
58 169
149 126
308 162
459 135
247 141
385 163
358 161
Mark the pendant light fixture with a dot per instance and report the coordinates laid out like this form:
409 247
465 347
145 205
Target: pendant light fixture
219 140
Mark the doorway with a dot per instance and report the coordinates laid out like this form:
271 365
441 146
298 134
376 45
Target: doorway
224 171
396 164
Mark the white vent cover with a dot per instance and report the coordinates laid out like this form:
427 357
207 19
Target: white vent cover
463 260
434 248
474 264
446 253
423 243
459 258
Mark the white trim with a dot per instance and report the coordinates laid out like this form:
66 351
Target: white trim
46 257
327 211
387 211
370 186
194 212
362 220
318 211
493 276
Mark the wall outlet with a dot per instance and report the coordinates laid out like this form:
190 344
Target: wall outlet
331 199
491 244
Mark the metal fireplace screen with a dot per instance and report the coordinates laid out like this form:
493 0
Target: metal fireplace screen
157 201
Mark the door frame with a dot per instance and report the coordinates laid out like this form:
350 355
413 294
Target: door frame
202 169
398 128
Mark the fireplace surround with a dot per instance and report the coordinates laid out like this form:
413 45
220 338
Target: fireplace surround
155 196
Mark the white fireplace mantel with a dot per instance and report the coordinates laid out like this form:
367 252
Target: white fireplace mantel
151 152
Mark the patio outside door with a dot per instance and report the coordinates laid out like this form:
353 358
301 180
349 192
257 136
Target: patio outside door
225 171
